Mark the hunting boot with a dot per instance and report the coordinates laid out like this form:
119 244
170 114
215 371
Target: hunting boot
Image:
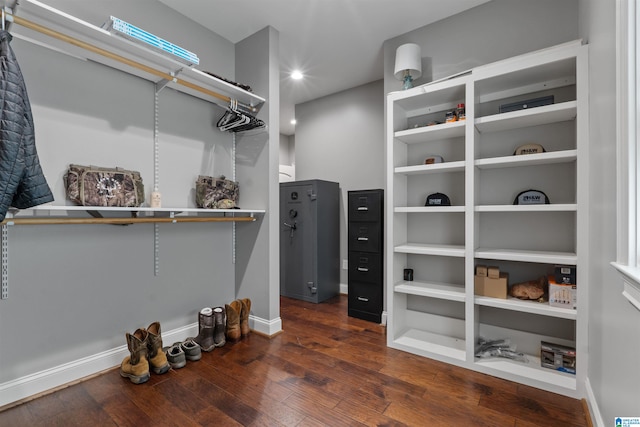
244 316
157 358
136 366
233 320
205 330
219 328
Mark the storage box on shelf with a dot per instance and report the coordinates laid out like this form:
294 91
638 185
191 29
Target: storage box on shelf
483 226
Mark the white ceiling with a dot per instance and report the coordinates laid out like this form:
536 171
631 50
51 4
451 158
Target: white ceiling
336 43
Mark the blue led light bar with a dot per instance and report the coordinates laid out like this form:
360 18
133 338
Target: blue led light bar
120 27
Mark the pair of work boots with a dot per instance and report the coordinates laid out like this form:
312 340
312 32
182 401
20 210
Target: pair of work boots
211 326
145 353
238 319
217 325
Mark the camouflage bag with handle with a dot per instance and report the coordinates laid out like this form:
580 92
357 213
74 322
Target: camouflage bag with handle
216 193
99 186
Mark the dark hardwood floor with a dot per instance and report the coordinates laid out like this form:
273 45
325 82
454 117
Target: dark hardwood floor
325 369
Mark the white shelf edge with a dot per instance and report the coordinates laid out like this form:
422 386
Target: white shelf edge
457 166
558 207
532 307
550 157
430 133
531 371
445 291
86 32
428 209
554 113
543 257
74 208
428 342
424 249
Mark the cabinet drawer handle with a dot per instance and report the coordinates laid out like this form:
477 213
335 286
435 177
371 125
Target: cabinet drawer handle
363 208
363 239
363 299
363 269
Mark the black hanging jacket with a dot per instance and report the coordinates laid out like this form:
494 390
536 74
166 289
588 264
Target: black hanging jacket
22 182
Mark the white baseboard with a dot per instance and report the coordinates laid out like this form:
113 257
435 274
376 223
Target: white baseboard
596 416
48 379
344 288
265 327
383 320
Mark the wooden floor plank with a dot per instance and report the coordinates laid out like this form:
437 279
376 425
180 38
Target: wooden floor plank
325 369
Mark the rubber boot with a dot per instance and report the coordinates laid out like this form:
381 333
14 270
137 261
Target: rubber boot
205 330
244 316
219 327
157 358
136 366
233 320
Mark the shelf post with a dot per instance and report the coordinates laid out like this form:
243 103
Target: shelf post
5 263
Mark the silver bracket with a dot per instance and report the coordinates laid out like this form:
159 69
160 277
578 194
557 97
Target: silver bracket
5 263
312 195
164 82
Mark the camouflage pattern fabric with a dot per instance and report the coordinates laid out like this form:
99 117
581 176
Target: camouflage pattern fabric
98 186
216 193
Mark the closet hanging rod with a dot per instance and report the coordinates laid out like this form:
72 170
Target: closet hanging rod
121 221
87 46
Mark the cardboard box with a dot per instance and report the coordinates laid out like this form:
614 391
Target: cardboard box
481 270
562 294
490 282
478 284
558 357
493 272
496 288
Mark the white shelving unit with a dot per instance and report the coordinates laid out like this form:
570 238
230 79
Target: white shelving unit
85 40
438 315
41 24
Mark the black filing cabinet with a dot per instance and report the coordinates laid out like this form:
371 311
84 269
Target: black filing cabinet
365 254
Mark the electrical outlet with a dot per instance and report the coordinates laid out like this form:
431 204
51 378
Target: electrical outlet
345 264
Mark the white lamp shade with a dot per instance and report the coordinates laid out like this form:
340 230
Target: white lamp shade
408 57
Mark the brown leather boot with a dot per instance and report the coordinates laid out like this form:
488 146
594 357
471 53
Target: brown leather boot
205 329
219 326
157 358
136 366
244 316
233 320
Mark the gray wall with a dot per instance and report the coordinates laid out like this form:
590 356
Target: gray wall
614 336
287 150
492 31
340 138
75 290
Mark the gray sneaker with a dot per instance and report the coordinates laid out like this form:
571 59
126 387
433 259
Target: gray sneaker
191 349
175 356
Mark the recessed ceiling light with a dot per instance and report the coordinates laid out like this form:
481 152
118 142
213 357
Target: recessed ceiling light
293 121
296 75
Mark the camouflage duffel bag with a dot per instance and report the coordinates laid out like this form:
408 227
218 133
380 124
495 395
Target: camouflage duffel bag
216 193
97 186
